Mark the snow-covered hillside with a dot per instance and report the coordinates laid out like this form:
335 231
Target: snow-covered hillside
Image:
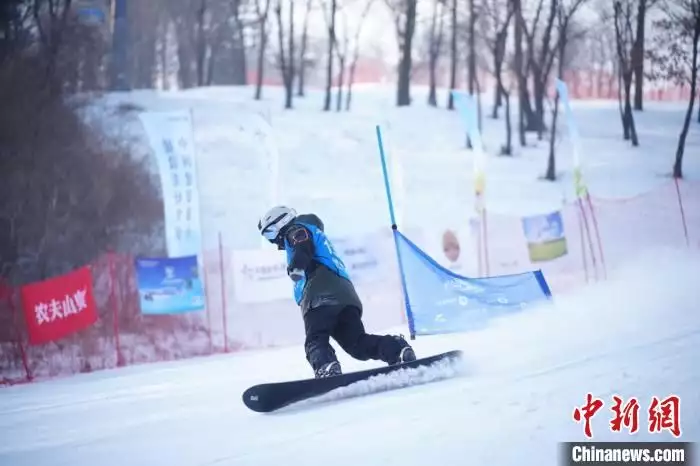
635 334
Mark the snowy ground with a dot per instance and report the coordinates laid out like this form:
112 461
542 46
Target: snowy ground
637 334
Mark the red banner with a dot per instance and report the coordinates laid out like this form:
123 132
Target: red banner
57 307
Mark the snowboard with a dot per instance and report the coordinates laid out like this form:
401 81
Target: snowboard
268 397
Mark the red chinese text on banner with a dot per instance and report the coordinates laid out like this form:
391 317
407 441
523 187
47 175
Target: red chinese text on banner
59 306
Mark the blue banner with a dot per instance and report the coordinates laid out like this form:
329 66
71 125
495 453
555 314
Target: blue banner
440 301
169 285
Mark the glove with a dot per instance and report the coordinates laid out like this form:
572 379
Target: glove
295 274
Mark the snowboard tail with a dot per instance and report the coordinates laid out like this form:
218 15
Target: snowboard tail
268 397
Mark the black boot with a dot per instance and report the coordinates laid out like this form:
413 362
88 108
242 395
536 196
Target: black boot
405 352
328 370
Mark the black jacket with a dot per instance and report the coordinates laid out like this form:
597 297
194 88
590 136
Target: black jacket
323 287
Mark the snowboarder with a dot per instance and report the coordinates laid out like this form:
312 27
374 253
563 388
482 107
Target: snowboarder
329 303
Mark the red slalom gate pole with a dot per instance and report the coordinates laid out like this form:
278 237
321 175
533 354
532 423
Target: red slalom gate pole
113 305
597 234
588 236
223 291
207 302
18 336
583 243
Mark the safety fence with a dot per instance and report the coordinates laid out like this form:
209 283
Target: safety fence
248 295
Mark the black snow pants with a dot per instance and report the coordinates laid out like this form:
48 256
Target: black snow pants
344 325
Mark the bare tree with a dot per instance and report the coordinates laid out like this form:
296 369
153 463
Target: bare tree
519 70
454 57
542 51
404 12
566 9
435 47
643 7
330 21
472 83
493 28
356 52
341 51
676 58
286 55
236 28
303 48
67 192
262 10
625 40
200 26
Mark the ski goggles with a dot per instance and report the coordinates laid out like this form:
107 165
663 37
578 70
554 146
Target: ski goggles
270 233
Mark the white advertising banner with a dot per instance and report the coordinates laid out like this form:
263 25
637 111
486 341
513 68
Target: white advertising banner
171 138
260 275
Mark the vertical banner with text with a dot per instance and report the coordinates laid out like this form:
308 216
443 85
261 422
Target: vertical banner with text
59 306
169 285
171 137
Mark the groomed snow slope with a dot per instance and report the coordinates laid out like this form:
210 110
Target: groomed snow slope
637 334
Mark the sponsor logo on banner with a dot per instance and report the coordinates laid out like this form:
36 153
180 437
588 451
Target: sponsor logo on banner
169 285
360 257
545 236
59 306
260 275
171 138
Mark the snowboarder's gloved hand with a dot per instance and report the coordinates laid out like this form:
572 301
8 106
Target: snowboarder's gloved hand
295 274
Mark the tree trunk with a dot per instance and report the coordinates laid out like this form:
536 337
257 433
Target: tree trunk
508 148
638 57
551 173
499 54
540 90
119 76
453 56
471 61
341 78
289 84
286 57
497 102
261 60
678 165
631 130
331 45
201 44
403 90
302 51
620 103
351 79
434 51
432 94
522 82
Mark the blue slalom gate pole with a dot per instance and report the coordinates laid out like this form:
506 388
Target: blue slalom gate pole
394 228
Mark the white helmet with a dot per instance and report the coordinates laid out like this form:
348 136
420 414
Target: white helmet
274 220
